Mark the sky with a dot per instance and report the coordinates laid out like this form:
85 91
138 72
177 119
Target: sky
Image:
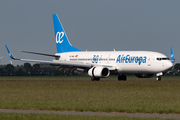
93 25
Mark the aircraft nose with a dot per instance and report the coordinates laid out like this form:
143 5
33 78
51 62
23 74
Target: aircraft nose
168 65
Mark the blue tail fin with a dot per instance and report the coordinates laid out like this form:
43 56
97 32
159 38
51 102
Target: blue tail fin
62 42
172 56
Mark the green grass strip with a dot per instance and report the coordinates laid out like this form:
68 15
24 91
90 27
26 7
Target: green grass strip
81 94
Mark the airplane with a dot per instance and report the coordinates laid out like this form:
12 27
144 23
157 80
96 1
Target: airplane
1 57
100 64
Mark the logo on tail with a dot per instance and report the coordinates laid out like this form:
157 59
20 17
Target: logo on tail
59 36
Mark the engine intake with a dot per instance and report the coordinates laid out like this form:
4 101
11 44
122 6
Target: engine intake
99 72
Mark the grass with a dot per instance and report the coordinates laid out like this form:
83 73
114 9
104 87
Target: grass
81 94
13 116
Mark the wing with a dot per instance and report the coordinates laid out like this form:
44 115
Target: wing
53 62
60 63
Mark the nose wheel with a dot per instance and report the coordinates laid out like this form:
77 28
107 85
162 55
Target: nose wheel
158 78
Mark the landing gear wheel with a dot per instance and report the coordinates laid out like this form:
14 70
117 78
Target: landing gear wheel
95 79
122 77
158 78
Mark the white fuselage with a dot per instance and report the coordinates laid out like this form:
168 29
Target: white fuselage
134 62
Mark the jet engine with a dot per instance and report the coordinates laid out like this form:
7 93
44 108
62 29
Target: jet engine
144 75
99 71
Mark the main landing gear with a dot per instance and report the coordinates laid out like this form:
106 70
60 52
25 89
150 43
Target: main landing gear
95 78
122 77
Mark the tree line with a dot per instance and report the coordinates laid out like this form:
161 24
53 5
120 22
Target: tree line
47 70
35 70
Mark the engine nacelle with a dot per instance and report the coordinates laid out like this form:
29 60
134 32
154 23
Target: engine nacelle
99 72
144 75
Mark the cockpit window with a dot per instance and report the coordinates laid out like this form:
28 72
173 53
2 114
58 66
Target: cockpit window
162 59
165 58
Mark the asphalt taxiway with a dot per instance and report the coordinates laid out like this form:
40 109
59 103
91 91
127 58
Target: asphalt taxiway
136 115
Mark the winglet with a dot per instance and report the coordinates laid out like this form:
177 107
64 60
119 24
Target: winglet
10 54
172 56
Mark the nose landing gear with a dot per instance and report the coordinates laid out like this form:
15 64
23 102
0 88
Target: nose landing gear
158 78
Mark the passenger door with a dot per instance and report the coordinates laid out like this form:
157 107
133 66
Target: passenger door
149 60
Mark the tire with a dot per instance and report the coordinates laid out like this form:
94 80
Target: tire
122 77
95 79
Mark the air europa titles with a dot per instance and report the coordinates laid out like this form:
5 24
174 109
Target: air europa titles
131 59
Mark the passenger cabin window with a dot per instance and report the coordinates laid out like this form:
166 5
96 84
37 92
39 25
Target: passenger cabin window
162 59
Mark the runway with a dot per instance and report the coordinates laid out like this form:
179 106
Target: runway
115 114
